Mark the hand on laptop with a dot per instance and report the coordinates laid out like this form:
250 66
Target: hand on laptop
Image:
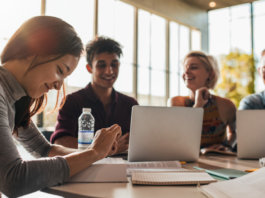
202 95
106 141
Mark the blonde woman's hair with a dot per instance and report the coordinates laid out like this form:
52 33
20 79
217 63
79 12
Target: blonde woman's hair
210 65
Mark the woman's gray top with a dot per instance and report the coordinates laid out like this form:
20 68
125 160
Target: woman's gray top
19 177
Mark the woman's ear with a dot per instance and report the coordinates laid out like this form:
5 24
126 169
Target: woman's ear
209 79
89 68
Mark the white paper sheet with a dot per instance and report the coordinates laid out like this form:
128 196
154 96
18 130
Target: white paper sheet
106 170
250 185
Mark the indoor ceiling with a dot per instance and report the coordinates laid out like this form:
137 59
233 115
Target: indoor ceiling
204 4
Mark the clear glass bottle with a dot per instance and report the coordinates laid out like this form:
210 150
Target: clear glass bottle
86 124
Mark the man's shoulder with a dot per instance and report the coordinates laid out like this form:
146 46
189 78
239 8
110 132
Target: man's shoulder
78 92
77 95
254 97
253 101
126 99
76 100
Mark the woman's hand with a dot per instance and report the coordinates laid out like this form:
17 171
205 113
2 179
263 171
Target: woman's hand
104 144
202 95
105 141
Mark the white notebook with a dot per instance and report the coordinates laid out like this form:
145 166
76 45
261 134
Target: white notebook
171 178
250 185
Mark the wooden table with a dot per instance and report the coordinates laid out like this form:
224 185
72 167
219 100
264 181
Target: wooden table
127 190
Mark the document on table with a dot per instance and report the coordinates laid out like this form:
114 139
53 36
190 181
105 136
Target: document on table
250 185
151 166
105 170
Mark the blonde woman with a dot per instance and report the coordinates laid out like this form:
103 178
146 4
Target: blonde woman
200 76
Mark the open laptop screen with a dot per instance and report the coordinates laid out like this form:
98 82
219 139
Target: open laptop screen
250 129
165 133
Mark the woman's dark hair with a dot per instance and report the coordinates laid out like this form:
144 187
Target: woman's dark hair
39 36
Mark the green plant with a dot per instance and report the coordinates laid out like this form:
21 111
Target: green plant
237 76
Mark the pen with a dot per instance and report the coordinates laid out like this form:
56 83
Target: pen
251 170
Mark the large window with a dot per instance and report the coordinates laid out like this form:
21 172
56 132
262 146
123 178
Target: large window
151 59
258 37
195 40
144 29
230 29
13 14
184 39
83 22
240 28
174 60
219 40
158 60
115 20
259 30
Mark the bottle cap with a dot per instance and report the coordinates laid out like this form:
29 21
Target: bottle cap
86 110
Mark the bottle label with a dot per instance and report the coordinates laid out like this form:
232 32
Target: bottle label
85 137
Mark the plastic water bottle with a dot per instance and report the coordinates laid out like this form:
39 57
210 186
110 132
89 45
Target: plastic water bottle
86 124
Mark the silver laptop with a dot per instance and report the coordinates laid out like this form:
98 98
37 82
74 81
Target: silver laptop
250 127
165 133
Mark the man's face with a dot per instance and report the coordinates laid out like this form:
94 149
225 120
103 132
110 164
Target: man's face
261 69
105 69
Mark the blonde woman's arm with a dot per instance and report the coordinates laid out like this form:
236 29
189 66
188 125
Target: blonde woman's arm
227 111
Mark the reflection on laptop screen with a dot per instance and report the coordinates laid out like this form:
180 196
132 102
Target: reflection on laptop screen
165 133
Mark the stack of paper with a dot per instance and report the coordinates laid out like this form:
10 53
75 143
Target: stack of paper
105 170
250 185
